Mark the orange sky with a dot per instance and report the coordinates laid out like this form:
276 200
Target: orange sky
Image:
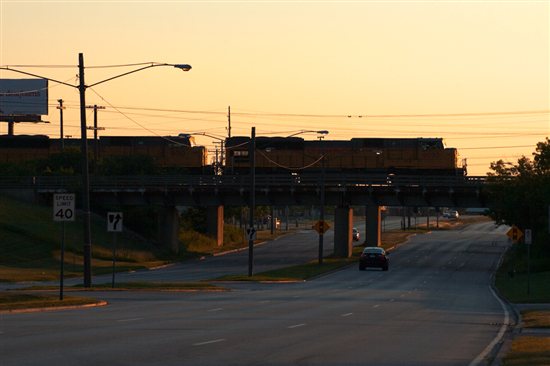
473 72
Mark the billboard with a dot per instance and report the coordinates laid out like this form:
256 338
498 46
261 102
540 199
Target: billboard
23 96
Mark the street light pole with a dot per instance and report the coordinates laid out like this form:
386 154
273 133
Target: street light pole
85 176
87 248
322 210
252 206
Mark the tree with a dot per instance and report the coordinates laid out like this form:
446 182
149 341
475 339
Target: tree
520 193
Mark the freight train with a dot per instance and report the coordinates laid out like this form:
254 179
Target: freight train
274 155
171 153
415 156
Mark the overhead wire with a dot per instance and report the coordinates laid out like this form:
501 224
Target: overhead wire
137 123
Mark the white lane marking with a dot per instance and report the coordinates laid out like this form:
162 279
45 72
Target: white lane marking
480 358
347 314
297 326
209 342
216 309
375 306
129 320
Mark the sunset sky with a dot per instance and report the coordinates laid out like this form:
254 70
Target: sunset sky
476 73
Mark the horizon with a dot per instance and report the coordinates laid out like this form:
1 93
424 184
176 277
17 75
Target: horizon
474 73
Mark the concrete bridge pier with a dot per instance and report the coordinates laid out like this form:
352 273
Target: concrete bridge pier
214 223
343 225
372 228
168 227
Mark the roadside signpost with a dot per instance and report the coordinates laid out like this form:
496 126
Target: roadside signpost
528 241
63 207
514 233
63 210
251 234
114 225
321 226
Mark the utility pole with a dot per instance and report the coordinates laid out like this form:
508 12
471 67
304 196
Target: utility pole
252 203
85 177
95 107
229 121
322 208
61 108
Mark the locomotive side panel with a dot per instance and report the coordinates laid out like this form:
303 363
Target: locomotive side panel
358 155
15 149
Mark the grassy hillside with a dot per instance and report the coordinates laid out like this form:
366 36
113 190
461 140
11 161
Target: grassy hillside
30 245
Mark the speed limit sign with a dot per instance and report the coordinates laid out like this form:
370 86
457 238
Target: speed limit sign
63 207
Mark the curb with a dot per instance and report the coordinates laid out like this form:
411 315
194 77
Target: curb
237 250
53 308
503 345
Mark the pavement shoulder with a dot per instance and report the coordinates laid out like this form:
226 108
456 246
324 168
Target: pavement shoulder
54 308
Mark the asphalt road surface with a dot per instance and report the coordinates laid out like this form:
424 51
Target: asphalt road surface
433 307
297 248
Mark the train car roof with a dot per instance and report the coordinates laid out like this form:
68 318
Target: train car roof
263 142
146 140
24 141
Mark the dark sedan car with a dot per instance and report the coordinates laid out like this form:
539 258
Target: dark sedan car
373 257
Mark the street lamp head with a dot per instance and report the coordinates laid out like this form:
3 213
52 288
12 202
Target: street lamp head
321 132
184 67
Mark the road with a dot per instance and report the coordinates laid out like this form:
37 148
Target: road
300 247
433 307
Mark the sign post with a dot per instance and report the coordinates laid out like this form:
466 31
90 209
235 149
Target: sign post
63 210
528 241
114 225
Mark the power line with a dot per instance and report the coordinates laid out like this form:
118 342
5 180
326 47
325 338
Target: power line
545 111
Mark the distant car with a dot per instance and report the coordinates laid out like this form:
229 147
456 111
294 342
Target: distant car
451 214
355 234
373 257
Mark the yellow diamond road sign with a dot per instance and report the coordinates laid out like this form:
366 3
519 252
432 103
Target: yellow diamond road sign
321 226
515 233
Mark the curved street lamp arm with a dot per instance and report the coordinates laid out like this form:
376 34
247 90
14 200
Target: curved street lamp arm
39 76
322 132
183 67
208 135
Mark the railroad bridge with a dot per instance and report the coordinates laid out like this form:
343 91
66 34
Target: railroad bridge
341 191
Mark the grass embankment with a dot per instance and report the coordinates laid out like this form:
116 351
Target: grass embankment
518 286
530 350
47 297
31 242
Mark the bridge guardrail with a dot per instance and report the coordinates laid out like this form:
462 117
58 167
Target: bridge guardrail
169 182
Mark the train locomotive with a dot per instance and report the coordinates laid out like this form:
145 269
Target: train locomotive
171 153
404 156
